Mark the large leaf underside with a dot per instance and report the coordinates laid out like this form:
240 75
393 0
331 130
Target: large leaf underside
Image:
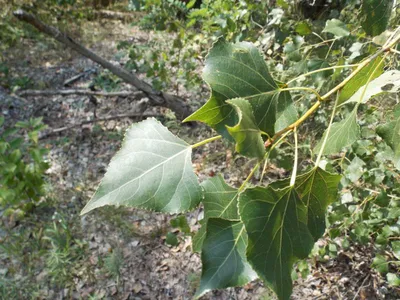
153 170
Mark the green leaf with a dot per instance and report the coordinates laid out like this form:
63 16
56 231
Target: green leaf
396 249
393 279
355 170
190 4
276 223
3 147
216 113
181 223
376 14
303 28
224 256
220 201
153 170
390 132
239 71
283 224
9 132
388 82
336 27
22 124
16 143
382 199
1 121
245 132
171 239
361 78
380 264
317 189
341 135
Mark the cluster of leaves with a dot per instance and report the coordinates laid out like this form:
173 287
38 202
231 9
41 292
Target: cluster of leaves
45 243
11 82
22 165
249 232
106 81
63 251
173 62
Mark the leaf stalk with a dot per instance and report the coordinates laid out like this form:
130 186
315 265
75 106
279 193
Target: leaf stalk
321 70
206 141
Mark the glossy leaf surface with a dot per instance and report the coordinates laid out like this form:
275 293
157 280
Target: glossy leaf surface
239 71
220 201
276 223
376 14
224 256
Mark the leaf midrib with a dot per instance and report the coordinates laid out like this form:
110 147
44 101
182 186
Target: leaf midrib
147 171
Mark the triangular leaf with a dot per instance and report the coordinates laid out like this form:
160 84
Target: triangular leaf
220 201
376 15
153 170
336 27
224 256
245 132
342 134
361 78
390 132
239 71
388 82
276 223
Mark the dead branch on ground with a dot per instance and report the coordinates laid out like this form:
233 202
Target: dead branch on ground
176 104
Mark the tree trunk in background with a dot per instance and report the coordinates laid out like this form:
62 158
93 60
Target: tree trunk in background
178 105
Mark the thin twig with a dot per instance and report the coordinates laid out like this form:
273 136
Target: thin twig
362 286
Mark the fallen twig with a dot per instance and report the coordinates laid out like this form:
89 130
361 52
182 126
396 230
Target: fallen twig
75 78
78 92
